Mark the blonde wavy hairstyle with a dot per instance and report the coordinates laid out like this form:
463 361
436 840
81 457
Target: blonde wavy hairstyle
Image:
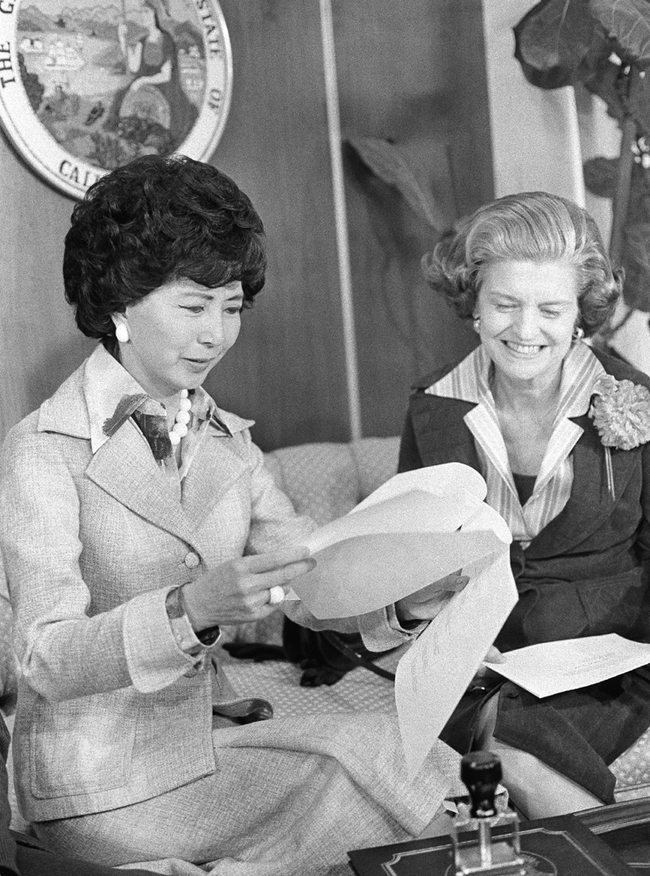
529 226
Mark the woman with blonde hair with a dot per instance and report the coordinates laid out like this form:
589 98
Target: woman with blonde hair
560 433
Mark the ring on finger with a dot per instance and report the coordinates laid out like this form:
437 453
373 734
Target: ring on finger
276 595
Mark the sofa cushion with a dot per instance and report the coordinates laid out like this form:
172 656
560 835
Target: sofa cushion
326 480
632 770
320 479
376 462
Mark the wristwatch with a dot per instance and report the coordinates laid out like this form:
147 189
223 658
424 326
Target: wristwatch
175 607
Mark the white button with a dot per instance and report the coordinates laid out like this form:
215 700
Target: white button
192 561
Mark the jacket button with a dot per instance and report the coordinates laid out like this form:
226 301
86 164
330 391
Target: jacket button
192 560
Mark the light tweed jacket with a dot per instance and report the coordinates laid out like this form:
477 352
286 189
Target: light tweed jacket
111 711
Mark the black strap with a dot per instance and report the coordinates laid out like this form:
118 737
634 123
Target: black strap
355 658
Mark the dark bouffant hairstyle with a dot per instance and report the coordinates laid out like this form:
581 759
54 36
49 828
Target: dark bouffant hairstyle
152 221
530 226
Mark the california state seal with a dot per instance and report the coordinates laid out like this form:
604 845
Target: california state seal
85 87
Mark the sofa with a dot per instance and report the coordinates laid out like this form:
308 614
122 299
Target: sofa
323 480
326 480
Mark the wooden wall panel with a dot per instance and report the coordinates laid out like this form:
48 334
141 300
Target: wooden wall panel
287 369
400 75
405 76
39 343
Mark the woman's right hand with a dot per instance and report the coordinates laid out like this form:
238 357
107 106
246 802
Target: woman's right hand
238 592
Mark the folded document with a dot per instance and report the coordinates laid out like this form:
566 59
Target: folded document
415 529
553 667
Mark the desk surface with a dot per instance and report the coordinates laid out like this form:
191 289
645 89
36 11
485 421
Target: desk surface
591 844
625 827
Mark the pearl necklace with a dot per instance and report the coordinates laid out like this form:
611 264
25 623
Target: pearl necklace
182 418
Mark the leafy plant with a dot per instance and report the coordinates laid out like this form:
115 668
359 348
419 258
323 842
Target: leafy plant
386 161
605 45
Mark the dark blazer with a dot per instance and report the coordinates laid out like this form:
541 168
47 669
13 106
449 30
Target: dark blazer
586 573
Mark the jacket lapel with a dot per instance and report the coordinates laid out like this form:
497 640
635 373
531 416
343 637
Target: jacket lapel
442 436
214 470
124 468
440 430
590 503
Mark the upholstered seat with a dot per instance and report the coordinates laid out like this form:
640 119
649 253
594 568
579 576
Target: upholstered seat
327 480
323 480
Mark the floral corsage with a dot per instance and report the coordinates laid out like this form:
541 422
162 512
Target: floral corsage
621 413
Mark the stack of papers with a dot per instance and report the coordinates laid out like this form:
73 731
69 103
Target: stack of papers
415 529
419 527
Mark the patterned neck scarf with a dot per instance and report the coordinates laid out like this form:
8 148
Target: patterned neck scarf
154 429
118 393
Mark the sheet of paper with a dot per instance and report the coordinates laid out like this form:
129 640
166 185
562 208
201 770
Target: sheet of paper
412 511
405 536
370 571
434 673
569 664
415 529
439 480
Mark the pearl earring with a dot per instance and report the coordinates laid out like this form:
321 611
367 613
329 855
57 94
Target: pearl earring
577 334
476 324
122 333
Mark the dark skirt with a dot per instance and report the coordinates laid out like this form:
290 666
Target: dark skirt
579 733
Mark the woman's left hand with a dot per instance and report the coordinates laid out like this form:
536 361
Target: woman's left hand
493 656
426 603
484 672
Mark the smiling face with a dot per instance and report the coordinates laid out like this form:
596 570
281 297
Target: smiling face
178 333
528 311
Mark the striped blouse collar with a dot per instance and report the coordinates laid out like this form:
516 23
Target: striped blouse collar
470 382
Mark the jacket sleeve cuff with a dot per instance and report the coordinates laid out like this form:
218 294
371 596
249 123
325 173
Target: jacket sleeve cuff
153 653
381 630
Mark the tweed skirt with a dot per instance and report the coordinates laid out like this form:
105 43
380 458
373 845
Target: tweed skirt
289 798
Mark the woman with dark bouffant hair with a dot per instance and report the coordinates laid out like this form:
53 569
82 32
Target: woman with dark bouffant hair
137 519
560 433
151 222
